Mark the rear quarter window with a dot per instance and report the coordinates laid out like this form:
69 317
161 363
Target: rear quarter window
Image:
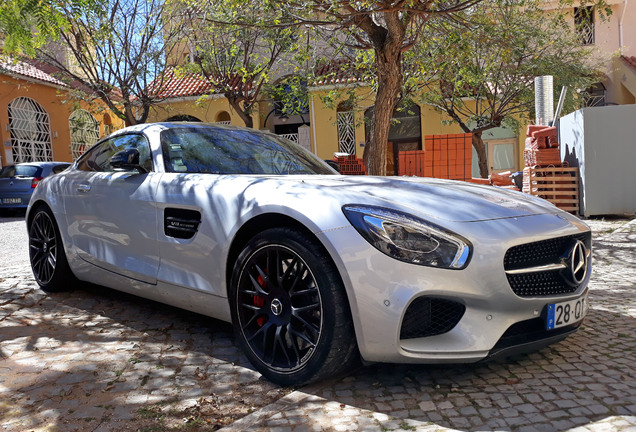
59 168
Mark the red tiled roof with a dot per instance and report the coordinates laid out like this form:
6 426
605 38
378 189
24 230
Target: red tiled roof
336 72
631 61
175 84
28 71
172 85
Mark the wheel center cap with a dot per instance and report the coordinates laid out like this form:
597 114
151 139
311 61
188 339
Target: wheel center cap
45 248
277 307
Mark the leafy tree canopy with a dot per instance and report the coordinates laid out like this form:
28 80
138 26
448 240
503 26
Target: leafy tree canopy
110 50
481 73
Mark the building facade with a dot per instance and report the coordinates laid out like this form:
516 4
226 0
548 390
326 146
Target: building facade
39 120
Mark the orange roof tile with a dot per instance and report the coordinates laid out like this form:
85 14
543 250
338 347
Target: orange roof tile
28 71
173 85
336 72
631 61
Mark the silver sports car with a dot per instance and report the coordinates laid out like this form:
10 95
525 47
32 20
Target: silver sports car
314 269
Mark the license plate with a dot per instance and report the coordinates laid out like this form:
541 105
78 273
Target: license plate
566 313
11 200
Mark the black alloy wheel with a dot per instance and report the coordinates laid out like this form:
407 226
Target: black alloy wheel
46 252
279 308
290 311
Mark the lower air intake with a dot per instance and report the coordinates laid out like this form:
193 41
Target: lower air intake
428 316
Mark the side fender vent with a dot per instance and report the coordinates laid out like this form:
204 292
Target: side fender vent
181 223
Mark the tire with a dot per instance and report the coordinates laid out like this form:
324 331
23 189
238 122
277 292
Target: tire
290 311
46 253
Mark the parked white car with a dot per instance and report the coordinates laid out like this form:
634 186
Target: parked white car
314 269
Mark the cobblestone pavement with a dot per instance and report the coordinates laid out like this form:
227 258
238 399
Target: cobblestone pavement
97 360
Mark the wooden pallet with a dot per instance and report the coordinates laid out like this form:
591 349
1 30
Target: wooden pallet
559 185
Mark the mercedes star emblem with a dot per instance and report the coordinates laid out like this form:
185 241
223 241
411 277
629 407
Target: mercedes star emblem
277 307
576 262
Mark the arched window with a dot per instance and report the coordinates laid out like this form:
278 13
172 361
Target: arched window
405 123
346 128
108 124
405 133
223 117
182 117
84 132
594 95
30 131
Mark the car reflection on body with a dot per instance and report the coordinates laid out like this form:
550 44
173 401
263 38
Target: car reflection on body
17 182
314 269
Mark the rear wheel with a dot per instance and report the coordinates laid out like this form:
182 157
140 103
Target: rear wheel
46 252
290 310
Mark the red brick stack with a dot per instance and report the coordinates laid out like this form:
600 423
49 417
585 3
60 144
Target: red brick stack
542 146
350 165
444 156
545 175
503 179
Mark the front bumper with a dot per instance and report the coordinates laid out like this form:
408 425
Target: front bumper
380 290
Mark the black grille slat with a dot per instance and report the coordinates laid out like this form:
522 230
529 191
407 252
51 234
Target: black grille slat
545 252
428 316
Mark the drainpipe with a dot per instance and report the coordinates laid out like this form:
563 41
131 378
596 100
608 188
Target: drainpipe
313 125
620 28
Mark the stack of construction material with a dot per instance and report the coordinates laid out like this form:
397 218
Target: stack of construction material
444 156
545 175
503 179
350 165
542 147
559 185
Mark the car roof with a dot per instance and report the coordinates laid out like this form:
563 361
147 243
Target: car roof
43 164
168 125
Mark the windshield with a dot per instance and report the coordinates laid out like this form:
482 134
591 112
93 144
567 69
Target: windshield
221 150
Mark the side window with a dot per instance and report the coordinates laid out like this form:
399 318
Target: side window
59 168
98 158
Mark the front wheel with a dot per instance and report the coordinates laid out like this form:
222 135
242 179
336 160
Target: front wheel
290 310
46 252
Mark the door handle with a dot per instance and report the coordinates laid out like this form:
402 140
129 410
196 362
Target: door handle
83 188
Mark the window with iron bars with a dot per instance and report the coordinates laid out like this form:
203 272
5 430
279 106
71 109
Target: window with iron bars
584 24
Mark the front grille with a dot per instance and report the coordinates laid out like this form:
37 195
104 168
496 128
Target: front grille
428 316
546 252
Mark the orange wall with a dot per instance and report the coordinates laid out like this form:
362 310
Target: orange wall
52 99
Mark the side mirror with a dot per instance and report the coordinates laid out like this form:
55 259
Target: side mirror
127 160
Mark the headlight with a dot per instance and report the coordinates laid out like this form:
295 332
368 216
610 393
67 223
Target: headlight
409 239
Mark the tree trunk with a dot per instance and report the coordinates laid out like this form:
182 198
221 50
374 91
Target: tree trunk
479 146
389 87
387 44
236 104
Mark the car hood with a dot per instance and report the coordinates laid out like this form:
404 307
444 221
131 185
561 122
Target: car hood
440 199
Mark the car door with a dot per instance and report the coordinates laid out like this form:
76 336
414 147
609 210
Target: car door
111 214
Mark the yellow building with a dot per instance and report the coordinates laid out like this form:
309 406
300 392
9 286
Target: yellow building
332 128
39 122
613 39
327 129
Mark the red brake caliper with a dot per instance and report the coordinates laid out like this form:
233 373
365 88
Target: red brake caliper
260 301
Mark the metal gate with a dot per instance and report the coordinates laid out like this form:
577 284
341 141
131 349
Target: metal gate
84 132
346 132
30 131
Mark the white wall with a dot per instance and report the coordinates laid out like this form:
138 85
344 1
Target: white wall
601 141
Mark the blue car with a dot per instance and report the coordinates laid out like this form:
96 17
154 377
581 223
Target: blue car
17 182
